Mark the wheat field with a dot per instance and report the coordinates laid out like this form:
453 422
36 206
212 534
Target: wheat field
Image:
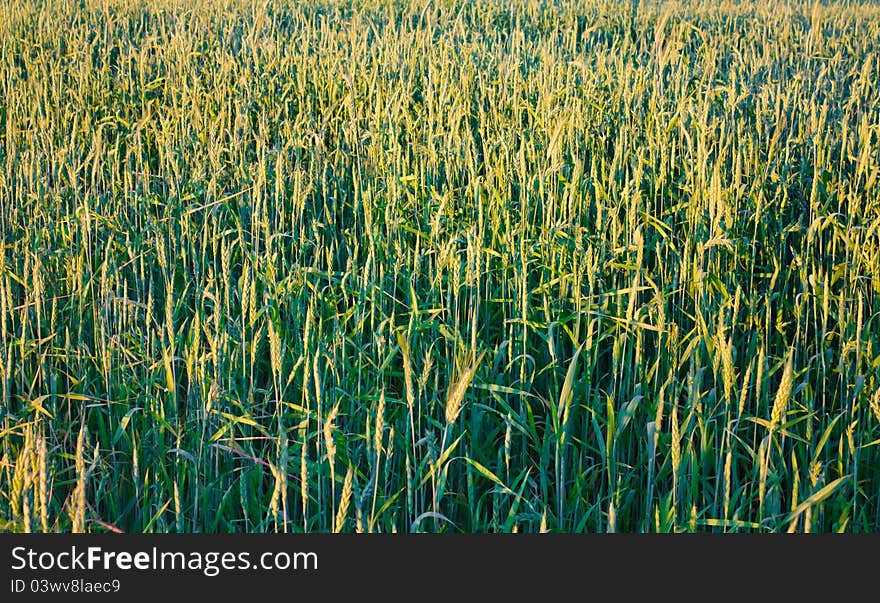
439 266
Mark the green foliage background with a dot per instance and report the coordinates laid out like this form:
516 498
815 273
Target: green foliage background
439 266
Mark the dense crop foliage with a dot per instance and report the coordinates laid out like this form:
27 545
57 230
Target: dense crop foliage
439 265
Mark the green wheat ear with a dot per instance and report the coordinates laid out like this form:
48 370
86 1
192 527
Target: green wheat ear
783 393
455 397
